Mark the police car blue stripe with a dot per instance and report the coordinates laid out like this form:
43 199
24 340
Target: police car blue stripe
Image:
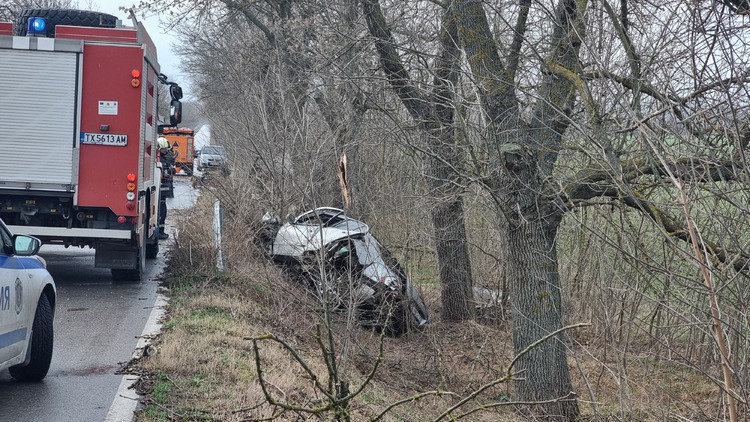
12 337
17 262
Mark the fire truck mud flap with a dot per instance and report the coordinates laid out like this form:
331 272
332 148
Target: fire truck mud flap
117 256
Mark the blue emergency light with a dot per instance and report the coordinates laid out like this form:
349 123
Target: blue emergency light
37 26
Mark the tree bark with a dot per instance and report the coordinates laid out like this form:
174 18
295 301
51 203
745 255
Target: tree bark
434 115
523 166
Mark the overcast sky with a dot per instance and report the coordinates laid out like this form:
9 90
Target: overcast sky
161 37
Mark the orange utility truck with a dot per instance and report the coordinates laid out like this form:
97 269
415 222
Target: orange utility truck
182 140
78 125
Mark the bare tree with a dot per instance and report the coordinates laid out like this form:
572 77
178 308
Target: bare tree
523 154
434 115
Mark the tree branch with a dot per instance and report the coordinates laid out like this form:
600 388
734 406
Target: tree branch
394 69
599 184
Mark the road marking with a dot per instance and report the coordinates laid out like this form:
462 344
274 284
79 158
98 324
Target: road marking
126 400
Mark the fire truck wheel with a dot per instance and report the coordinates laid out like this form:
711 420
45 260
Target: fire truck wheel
42 339
56 17
152 249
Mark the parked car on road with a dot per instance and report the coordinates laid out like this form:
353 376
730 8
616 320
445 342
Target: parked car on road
212 156
27 307
347 266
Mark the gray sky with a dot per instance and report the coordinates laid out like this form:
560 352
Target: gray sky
162 38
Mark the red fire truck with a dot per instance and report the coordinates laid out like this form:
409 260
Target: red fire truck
78 123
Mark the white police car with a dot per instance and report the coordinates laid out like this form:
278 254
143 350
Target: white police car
27 307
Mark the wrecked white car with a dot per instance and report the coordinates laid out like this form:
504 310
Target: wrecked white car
347 266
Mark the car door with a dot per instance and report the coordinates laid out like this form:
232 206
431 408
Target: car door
12 332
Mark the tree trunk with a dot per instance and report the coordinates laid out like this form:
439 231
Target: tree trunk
447 214
522 180
542 372
435 114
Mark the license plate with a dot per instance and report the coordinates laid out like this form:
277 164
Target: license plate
104 139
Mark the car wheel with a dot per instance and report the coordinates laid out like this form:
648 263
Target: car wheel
394 317
42 339
404 312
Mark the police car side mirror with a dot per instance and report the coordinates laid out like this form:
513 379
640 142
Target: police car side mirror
26 245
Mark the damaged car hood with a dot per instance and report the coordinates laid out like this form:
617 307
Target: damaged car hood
311 231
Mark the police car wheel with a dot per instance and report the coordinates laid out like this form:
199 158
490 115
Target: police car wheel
42 339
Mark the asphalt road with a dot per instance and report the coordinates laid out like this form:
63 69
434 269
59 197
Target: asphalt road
97 326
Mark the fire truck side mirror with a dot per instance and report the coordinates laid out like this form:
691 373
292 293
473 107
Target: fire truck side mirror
175 113
175 91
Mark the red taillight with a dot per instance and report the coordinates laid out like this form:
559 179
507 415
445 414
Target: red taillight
130 194
121 219
136 81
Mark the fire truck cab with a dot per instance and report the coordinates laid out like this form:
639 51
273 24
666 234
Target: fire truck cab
78 124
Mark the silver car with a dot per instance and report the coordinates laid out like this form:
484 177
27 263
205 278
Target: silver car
346 266
212 156
27 307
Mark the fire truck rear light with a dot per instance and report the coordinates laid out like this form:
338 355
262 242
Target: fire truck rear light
121 219
130 205
135 83
131 177
131 186
135 73
130 196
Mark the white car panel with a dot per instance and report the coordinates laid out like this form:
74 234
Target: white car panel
23 278
12 336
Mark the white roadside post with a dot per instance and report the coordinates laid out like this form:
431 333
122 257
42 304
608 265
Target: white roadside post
217 235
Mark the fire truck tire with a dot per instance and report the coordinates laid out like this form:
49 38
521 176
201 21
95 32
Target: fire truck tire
152 249
71 17
42 339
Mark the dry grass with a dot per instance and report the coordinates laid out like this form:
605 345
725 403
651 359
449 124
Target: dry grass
203 366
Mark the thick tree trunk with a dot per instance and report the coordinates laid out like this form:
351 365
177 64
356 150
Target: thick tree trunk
452 249
543 373
434 114
525 160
